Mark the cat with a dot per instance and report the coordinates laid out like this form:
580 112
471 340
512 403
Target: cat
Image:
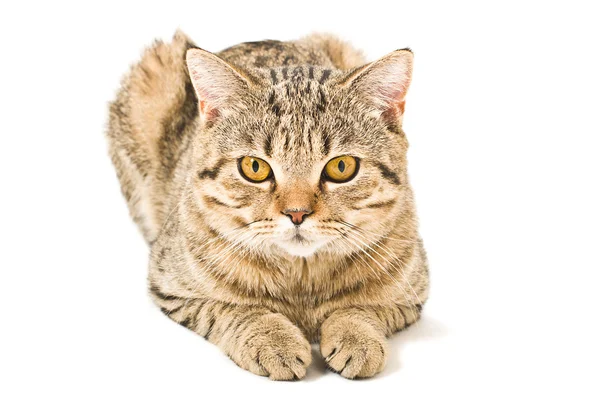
270 182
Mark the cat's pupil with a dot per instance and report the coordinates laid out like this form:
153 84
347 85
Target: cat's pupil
255 166
341 166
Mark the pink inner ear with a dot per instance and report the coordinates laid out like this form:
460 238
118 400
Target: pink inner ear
387 81
395 101
393 113
208 111
214 82
204 108
393 93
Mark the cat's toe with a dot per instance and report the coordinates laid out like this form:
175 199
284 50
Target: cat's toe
279 350
284 365
354 352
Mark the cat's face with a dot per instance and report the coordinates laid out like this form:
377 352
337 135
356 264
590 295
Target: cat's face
303 160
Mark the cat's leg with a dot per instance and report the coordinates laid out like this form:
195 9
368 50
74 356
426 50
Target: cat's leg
255 338
353 340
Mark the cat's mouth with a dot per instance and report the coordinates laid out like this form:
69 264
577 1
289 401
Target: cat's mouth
298 237
299 243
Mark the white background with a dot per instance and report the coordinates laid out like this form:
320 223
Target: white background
503 120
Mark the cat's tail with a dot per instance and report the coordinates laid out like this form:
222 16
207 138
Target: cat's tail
343 55
146 124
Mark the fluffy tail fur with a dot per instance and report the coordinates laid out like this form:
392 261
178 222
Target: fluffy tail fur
147 121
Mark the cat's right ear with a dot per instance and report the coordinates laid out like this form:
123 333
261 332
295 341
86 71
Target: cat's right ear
217 83
384 84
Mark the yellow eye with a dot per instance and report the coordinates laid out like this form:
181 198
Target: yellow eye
254 169
341 169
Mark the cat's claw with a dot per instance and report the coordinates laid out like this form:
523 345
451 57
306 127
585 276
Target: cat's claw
354 350
277 350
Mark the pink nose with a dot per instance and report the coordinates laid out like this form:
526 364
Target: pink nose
297 215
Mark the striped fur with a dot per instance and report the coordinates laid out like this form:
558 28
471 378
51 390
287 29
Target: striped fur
225 262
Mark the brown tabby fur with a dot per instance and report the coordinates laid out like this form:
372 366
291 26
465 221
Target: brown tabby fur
221 262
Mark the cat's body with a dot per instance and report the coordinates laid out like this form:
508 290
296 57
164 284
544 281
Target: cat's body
225 260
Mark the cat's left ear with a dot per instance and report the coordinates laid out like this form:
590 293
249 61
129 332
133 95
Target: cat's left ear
219 85
384 83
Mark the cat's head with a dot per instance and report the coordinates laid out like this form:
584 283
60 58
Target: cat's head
301 159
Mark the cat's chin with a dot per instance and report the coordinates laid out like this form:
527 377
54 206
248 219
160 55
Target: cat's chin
299 249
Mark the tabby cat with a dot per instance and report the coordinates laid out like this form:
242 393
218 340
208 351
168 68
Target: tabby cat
270 182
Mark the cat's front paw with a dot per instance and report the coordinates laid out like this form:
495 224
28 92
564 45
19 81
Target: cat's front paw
276 348
352 348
